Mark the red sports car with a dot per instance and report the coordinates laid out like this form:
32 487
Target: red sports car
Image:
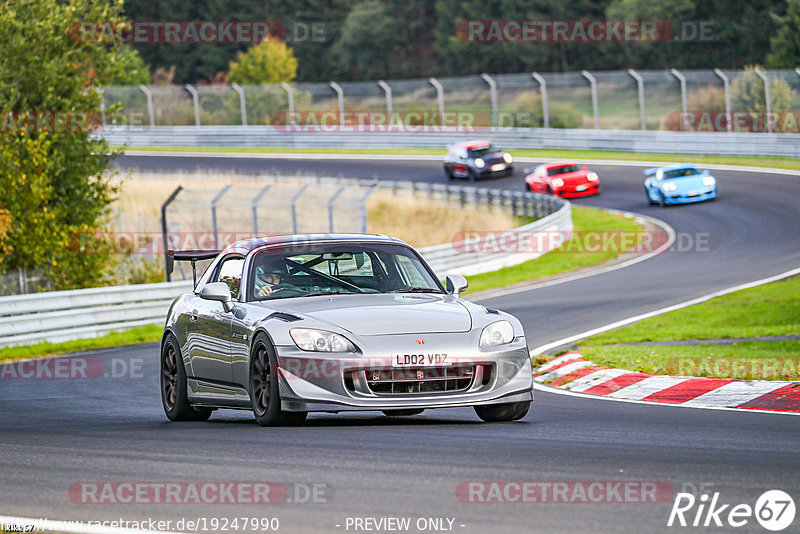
564 179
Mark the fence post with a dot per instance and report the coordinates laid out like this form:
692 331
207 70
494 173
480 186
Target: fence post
195 103
767 97
388 90
340 97
492 96
684 99
640 86
593 86
545 107
330 207
256 201
290 96
726 84
150 111
214 202
362 222
164 236
439 95
294 200
242 102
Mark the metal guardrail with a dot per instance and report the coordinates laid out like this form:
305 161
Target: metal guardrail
66 315
754 144
58 316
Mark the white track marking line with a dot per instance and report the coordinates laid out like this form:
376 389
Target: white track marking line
736 393
490 294
588 333
648 386
73 527
589 396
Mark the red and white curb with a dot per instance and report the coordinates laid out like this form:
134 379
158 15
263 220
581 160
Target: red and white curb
571 372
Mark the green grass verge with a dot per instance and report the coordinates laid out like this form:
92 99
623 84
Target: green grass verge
747 360
768 310
760 161
556 262
133 336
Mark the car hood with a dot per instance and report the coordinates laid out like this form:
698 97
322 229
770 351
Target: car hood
685 184
381 314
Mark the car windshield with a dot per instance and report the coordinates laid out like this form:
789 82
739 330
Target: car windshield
481 151
680 173
312 269
563 169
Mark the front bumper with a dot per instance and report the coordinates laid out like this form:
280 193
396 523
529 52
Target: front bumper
688 199
588 190
494 169
317 382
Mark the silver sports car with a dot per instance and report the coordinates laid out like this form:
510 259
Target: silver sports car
327 323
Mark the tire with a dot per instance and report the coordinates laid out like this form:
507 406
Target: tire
174 399
448 175
403 413
264 395
496 413
550 191
471 176
661 201
647 195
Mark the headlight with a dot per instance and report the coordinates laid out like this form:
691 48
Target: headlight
670 186
480 163
709 180
498 333
320 341
558 182
592 176
508 157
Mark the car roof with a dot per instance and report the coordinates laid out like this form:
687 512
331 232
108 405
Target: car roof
677 166
471 145
557 164
248 245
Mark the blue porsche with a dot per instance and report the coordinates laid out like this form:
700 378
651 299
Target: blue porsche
680 183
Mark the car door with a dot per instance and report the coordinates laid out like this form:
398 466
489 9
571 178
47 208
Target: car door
210 337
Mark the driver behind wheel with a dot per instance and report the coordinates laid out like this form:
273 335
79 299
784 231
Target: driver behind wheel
269 279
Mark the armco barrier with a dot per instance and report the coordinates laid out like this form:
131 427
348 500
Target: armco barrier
743 144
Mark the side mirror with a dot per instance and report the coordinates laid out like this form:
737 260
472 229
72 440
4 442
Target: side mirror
218 291
527 170
706 173
456 284
585 168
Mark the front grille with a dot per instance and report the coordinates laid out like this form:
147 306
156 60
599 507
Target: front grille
422 380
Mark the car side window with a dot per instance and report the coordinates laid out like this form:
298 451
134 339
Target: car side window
230 272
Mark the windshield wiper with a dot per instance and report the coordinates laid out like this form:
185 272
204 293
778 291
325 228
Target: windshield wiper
414 290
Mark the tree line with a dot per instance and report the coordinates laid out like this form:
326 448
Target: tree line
374 39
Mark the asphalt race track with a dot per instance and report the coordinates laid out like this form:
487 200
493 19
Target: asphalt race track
57 433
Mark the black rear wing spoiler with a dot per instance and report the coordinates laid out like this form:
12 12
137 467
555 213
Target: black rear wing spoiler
188 255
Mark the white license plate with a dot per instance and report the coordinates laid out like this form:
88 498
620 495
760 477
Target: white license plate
693 193
581 188
499 167
419 360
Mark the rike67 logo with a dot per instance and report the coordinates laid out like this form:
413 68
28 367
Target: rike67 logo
774 510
